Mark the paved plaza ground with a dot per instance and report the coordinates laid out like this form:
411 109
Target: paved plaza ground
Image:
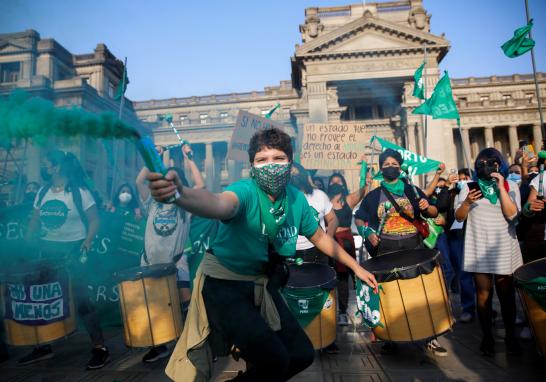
359 360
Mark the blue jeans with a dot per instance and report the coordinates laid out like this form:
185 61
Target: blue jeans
466 281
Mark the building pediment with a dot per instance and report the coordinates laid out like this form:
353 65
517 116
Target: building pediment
368 35
10 47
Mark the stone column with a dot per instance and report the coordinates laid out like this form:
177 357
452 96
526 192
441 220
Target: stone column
513 139
318 102
466 146
234 171
537 137
209 166
488 134
411 137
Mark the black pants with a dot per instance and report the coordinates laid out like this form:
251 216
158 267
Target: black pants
273 356
68 253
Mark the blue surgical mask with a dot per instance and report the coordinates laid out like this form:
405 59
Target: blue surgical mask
514 177
461 183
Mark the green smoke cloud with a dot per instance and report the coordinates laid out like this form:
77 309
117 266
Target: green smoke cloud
23 116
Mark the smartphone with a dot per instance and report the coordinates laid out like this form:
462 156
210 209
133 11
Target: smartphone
472 186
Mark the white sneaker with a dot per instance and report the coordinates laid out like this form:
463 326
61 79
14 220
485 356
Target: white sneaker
343 319
525 333
466 318
434 347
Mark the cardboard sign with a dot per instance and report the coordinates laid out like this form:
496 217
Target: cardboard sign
334 146
245 127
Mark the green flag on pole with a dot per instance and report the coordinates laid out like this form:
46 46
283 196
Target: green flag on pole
417 164
520 43
122 85
419 87
441 104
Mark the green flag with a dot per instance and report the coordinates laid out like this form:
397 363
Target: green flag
122 85
417 164
520 43
440 105
419 88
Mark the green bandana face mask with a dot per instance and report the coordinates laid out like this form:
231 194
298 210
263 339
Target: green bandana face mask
272 178
489 190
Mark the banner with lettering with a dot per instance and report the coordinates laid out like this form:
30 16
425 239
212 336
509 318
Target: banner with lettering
39 300
417 164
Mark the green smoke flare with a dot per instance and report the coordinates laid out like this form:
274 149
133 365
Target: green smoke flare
23 116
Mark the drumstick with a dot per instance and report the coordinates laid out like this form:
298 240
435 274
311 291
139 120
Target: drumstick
387 206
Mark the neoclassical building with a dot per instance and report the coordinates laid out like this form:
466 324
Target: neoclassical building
356 63
43 67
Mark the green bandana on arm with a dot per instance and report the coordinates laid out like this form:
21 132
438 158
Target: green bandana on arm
396 188
489 190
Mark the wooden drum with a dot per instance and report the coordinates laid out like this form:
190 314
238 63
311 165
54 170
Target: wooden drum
414 304
531 283
150 305
311 297
37 304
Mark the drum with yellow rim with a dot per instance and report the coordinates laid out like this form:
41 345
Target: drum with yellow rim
150 305
311 297
37 304
414 302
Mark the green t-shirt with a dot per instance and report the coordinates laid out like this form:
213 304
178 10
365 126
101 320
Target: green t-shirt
241 243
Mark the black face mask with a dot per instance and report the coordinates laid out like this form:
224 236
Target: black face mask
485 169
335 189
390 173
45 175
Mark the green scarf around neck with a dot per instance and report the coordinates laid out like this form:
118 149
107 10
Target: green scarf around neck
489 189
396 188
273 213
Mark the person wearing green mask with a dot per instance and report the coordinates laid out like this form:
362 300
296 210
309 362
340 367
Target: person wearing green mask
491 248
387 228
236 300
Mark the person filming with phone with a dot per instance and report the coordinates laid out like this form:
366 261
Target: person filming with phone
490 205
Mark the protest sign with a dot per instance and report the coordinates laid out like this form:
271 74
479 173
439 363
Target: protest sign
334 146
245 127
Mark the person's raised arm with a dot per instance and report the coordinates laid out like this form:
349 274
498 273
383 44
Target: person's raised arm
331 248
142 187
508 206
200 202
332 223
196 176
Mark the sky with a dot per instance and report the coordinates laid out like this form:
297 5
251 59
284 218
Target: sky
200 47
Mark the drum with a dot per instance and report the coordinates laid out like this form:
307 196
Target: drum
531 283
310 296
37 304
150 305
414 303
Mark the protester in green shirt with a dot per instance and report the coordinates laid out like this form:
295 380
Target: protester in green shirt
261 220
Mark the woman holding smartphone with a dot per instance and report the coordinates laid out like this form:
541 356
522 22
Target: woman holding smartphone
490 205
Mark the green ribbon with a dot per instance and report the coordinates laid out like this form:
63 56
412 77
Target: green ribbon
536 289
396 188
489 189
